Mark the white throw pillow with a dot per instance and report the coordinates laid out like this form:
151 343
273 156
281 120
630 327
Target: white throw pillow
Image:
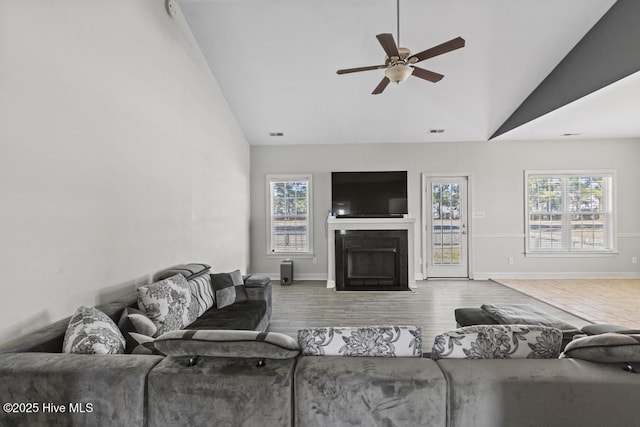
90 331
371 341
167 303
498 342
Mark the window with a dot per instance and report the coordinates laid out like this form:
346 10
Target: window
569 212
289 205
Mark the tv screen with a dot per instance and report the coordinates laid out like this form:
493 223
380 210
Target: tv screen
369 194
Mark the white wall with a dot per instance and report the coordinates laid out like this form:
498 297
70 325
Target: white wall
119 156
497 170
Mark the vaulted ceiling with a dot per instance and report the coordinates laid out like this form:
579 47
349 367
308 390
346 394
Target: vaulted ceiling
527 70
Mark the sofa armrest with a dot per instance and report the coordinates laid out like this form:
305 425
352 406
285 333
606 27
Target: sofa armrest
258 288
76 389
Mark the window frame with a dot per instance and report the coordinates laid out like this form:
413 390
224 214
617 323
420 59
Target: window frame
568 251
270 178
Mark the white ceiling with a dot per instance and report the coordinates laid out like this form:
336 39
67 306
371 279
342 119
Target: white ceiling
276 63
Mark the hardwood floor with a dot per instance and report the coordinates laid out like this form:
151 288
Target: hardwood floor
614 301
429 306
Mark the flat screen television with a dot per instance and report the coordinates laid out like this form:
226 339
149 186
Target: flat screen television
369 194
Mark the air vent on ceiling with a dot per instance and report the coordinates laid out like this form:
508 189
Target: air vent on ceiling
276 134
436 130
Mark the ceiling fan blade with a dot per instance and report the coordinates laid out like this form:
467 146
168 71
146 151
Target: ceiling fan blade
381 86
388 44
445 47
426 74
355 70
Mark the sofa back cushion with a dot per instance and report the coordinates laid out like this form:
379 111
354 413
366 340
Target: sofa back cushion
189 271
232 343
498 342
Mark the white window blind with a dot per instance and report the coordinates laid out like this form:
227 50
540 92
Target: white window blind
290 214
569 212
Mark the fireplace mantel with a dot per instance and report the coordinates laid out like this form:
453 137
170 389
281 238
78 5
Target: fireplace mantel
336 224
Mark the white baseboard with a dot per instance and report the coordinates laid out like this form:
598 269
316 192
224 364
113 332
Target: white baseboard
565 275
275 277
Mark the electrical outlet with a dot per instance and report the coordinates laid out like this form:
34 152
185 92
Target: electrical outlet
315 260
510 260
634 260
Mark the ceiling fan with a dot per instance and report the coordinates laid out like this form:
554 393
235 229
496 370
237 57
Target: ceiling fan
399 62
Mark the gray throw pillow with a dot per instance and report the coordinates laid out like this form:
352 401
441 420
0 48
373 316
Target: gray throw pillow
605 348
90 331
135 324
228 288
201 294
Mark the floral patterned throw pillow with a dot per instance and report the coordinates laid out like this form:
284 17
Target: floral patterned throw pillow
167 303
498 342
90 331
372 341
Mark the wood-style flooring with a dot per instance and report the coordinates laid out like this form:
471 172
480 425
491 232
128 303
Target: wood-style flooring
430 306
613 301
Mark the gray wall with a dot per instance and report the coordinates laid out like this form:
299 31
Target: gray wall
119 156
497 190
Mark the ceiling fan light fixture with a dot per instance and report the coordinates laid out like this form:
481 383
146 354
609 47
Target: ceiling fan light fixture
398 73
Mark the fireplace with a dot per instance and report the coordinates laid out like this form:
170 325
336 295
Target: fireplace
371 260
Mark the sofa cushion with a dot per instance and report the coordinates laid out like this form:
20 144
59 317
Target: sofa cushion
231 343
244 315
228 288
134 324
525 314
167 303
376 341
473 316
498 342
541 393
201 294
607 348
369 391
189 271
90 331
220 392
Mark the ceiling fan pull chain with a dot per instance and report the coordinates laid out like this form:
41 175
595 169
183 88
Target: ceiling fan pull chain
398 20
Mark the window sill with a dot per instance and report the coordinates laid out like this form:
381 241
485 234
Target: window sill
571 254
290 255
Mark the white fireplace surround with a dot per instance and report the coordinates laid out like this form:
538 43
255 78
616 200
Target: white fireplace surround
336 224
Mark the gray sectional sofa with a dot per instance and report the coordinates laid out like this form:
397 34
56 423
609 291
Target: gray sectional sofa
41 385
208 379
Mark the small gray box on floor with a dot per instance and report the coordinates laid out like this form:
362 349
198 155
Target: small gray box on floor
286 272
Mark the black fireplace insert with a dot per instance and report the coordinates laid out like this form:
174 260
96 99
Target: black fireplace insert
372 260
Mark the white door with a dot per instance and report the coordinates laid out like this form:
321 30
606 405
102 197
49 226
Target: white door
446 227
